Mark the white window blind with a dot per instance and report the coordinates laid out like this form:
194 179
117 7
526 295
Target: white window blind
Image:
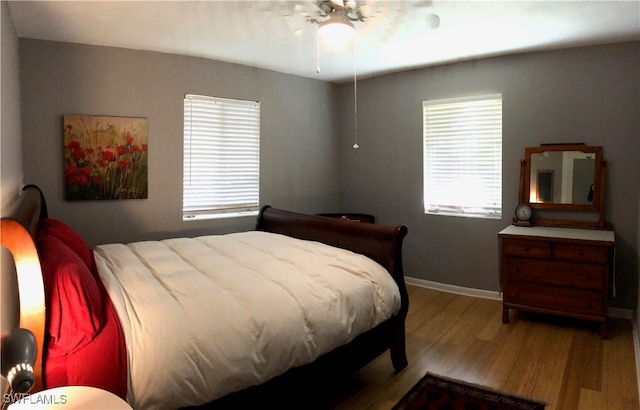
463 156
221 157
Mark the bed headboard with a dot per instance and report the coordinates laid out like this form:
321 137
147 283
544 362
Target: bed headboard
381 243
17 235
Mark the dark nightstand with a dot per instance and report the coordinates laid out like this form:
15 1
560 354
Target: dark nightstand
352 217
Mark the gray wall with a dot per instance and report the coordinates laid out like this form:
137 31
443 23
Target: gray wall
11 140
588 95
299 161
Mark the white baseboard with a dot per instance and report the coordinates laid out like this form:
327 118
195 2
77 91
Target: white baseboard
459 290
495 295
620 313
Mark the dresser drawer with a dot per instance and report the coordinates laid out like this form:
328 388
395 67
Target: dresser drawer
526 248
557 298
580 253
566 274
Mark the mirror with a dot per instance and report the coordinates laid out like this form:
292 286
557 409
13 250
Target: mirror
563 177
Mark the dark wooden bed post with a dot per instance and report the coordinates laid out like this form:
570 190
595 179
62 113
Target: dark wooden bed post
398 346
381 243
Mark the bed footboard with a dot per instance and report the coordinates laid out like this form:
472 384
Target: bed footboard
381 243
17 234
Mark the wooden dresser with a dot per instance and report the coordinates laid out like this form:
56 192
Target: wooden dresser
560 271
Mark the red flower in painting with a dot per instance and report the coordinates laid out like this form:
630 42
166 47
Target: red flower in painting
120 150
129 139
123 164
73 145
81 180
76 176
78 154
108 156
69 170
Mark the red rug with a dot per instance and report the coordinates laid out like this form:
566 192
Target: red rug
434 392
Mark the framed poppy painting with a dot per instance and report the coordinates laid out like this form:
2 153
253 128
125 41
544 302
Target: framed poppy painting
105 157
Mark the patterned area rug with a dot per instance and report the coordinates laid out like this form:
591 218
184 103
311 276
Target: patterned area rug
440 393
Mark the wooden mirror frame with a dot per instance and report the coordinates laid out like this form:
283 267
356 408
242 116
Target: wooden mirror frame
598 202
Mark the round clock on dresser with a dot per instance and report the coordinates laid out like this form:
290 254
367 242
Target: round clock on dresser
523 215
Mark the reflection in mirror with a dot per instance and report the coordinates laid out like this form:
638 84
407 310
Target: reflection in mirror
562 177
545 186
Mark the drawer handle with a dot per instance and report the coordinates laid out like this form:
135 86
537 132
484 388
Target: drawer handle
525 248
580 253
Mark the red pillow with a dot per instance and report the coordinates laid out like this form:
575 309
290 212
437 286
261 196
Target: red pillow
73 300
101 363
68 236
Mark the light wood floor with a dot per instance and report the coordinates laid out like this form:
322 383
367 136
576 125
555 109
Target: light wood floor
559 361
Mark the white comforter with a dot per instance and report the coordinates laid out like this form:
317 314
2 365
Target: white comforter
204 317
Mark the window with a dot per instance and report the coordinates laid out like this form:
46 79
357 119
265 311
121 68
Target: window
221 157
463 156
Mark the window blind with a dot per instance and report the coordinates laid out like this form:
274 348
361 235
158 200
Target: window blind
463 156
221 156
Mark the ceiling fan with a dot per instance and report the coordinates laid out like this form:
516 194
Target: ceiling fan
364 13
337 9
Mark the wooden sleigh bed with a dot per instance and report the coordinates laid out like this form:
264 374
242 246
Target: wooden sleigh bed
25 233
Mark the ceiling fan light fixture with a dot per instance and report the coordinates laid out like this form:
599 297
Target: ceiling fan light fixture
337 32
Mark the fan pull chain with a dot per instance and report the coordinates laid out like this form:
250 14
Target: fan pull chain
355 98
318 50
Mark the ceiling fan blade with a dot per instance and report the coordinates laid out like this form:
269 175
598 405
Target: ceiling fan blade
369 9
304 8
352 6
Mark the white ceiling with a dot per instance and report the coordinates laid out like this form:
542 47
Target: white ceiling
273 35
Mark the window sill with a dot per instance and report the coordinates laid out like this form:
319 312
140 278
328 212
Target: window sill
464 215
219 216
